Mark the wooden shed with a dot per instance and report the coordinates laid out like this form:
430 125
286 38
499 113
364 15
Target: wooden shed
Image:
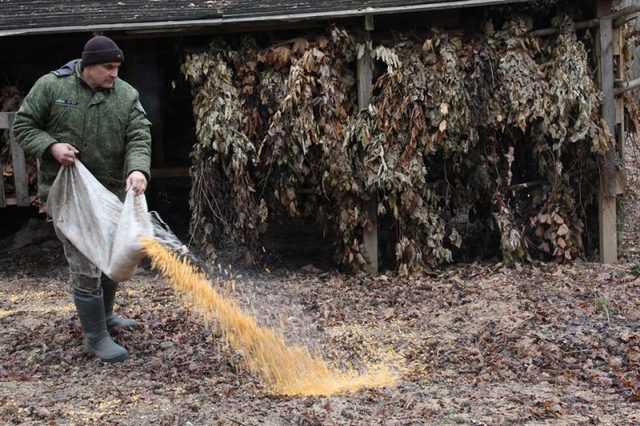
38 36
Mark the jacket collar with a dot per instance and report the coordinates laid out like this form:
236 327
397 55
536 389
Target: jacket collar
67 69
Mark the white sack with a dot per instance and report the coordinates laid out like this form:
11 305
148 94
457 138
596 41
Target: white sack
94 220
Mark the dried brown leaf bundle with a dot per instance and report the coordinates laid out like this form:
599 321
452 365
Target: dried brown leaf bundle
467 143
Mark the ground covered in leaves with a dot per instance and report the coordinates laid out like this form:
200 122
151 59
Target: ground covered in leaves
473 344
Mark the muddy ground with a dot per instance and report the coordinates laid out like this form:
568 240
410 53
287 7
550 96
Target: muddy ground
473 344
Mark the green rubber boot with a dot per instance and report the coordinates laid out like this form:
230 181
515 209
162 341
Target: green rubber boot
109 288
97 340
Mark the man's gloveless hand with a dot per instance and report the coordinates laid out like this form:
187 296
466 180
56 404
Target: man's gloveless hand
64 153
136 181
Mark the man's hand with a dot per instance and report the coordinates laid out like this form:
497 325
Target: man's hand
63 153
137 182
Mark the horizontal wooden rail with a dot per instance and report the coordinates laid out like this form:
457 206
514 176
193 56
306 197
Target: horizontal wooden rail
625 86
619 18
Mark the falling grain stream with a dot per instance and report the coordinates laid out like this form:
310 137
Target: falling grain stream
284 369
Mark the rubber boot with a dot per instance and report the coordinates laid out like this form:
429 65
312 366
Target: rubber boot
109 288
97 339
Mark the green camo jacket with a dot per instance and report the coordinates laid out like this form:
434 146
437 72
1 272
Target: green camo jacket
108 126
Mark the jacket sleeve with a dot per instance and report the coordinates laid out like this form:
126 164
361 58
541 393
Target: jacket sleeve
31 119
138 147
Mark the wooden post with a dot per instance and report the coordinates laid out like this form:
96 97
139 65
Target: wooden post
19 168
4 124
619 75
3 202
19 165
365 83
620 184
607 194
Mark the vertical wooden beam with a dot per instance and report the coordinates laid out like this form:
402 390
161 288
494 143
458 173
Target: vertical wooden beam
365 83
620 132
619 75
5 124
19 167
3 202
608 103
607 217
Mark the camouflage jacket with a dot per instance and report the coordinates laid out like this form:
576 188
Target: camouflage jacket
108 126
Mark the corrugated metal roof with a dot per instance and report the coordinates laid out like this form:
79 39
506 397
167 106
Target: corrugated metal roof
48 16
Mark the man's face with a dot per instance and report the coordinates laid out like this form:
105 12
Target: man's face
101 75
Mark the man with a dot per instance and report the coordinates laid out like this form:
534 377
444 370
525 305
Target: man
83 110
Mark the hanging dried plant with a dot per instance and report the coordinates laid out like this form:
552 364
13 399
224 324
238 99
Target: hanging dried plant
468 142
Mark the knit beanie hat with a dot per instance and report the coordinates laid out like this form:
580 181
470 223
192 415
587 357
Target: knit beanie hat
101 49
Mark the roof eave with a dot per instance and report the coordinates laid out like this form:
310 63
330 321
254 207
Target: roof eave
269 19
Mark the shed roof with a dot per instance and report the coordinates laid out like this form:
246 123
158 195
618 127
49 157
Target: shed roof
21 17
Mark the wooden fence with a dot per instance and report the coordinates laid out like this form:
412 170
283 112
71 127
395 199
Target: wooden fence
19 167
